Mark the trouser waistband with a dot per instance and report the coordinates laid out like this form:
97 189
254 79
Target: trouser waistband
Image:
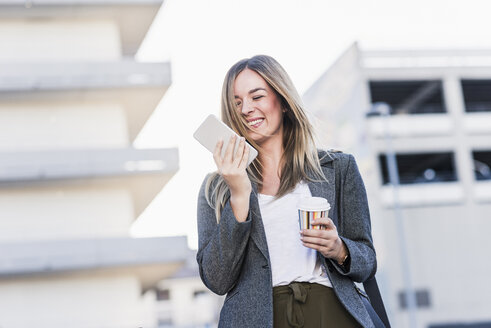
298 292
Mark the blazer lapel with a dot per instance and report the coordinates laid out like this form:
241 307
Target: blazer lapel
326 189
257 230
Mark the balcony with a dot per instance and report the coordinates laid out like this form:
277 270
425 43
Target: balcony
133 17
148 258
143 171
418 195
404 126
136 87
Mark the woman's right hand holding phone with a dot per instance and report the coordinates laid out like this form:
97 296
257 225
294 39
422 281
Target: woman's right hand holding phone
233 170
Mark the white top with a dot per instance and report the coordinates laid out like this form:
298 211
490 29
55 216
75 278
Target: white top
290 260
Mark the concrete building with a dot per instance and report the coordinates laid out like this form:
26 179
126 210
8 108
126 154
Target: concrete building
440 131
72 100
183 301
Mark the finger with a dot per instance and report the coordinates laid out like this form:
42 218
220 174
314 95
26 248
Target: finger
316 233
314 241
323 250
239 153
315 246
326 222
245 157
229 151
218 152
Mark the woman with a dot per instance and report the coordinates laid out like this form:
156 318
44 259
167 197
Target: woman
249 242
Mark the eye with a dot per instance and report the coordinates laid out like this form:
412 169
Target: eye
257 97
238 103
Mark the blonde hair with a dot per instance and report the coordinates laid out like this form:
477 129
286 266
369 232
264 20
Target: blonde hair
299 160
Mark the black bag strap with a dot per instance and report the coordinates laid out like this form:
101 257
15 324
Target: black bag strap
371 286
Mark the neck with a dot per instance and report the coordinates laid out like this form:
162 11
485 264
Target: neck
270 157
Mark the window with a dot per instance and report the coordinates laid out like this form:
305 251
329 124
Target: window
198 293
409 97
421 168
422 299
162 323
482 164
477 95
163 294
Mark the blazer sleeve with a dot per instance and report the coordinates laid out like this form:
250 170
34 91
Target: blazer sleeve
221 246
356 227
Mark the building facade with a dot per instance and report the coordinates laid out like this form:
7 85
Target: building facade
439 128
72 100
183 301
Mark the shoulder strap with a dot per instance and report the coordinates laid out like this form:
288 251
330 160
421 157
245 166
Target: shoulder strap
371 286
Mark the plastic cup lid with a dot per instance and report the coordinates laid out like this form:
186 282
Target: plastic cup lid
313 204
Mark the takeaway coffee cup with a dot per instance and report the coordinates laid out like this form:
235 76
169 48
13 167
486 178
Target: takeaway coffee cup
310 208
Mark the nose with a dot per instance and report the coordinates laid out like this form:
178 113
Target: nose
247 108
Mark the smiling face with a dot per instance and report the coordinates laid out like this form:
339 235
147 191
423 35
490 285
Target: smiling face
260 106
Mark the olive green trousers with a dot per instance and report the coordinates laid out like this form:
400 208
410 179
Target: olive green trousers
307 305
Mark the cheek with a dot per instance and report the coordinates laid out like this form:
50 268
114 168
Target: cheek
278 113
274 108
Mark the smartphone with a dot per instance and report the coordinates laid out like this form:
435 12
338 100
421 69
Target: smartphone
213 129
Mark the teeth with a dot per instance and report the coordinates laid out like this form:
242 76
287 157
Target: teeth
255 122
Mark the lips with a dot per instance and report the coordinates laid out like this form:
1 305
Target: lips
256 122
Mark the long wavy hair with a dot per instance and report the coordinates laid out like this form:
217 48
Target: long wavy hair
299 160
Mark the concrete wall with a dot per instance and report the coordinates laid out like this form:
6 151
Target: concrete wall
45 40
80 302
45 124
60 213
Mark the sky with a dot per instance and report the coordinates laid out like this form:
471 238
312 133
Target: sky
202 38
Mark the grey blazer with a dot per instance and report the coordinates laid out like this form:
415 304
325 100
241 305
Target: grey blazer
233 256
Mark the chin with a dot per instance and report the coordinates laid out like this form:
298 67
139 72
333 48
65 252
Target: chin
254 136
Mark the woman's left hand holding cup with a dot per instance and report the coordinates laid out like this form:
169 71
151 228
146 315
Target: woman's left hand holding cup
325 240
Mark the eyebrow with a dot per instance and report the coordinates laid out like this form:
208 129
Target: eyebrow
253 90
